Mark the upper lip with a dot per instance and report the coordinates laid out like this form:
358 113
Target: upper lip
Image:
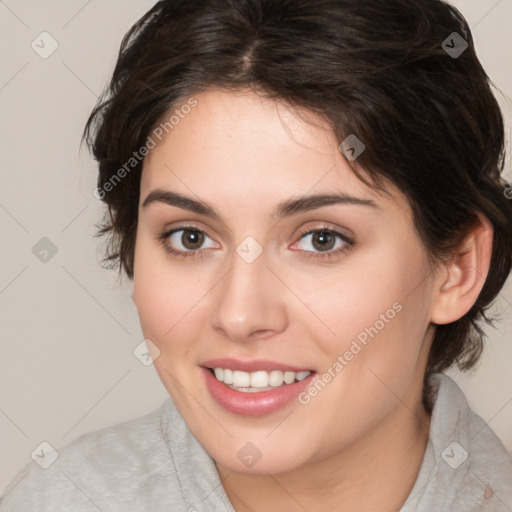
252 365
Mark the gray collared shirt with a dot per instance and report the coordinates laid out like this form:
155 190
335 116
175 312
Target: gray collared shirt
154 464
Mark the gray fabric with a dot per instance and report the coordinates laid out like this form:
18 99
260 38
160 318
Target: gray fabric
483 482
154 464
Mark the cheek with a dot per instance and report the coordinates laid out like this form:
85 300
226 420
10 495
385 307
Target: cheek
162 311
155 305
374 314
168 300
169 314
375 352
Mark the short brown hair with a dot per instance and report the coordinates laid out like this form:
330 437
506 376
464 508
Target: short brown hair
380 70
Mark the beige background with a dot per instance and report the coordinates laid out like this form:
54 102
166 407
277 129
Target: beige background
68 330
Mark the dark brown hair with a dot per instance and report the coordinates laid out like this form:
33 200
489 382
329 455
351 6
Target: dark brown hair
392 73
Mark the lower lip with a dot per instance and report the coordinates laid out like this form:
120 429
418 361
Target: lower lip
253 404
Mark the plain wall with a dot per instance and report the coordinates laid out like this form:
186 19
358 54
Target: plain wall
68 328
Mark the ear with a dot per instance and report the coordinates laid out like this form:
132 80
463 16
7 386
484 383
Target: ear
459 283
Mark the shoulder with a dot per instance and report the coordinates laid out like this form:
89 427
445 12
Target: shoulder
490 465
117 466
473 469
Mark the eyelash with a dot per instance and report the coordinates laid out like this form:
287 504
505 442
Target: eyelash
181 254
349 244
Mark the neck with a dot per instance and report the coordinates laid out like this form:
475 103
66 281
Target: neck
375 473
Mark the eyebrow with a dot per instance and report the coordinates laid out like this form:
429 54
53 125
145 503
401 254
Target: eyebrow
284 209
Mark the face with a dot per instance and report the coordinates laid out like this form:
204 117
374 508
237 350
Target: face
261 254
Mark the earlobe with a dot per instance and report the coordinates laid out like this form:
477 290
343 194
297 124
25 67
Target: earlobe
462 279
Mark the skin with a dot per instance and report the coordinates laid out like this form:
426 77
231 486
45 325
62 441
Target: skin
361 440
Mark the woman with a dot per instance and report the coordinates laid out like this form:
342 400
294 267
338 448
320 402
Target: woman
307 196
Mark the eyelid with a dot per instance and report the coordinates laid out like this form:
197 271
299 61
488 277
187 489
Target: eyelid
168 230
344 233
348 243
177 230
184 254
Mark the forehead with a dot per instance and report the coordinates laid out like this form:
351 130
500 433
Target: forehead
243 143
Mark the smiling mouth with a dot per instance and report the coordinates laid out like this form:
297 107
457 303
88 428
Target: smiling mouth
258 381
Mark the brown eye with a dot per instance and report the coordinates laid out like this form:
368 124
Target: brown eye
324 243
192 239
323 240
187 241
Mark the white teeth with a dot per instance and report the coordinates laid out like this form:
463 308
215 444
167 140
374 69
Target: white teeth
241 379
289 377
228 376
257 381
275 378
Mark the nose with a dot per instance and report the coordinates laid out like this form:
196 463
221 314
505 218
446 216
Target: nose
248 302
